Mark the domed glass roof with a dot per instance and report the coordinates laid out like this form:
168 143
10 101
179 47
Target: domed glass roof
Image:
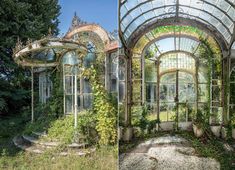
216 15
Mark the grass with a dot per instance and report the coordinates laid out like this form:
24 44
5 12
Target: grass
163 116
205 147
102 159
13 158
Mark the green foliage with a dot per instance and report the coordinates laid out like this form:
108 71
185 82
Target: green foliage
178 28
62 129
87 125
150 70
233 121
21 19
141 120
55 104
12 99
41 124
105 110
200 119
212 147
211 56
104 158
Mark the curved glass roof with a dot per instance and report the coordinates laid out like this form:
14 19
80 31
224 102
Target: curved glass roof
216 14
172 38
169 44
46 52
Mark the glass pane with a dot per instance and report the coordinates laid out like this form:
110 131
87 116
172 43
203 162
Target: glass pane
202 73
121 91
202 93
121 69
68 84
216 116
151 92
89 59
167 112
113 85
86 86
216 93
68 104
150 71
182 112
87 101
187 91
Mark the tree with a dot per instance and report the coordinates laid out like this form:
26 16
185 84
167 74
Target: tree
21 19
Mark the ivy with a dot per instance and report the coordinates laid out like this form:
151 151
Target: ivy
177 28
106 112
212 58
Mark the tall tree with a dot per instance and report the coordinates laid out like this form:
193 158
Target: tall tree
21 19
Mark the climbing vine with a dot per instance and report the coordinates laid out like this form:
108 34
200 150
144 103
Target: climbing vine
211 57
103 107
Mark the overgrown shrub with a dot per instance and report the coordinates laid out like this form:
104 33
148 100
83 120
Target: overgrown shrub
62 129
141 119
87 126
106 112
41 124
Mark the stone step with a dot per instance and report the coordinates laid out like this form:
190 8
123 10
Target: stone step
36 141
39 134
24 145
28 146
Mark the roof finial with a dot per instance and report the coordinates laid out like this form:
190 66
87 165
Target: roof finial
76 22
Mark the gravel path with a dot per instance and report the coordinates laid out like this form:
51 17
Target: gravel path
165 153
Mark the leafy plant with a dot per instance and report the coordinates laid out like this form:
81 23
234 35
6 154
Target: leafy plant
106 111
141 119
87 125
62 129
233 121
21 20
41 124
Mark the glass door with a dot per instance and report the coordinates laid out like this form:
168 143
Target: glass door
187 96
177 96
167 97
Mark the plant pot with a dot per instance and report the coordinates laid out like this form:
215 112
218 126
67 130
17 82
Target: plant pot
166 126
224 132
216 129
233 133
185 126
198 131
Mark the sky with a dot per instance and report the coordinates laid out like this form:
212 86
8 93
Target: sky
102 12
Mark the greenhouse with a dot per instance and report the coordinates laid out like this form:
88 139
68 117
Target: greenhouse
176 64
69 56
